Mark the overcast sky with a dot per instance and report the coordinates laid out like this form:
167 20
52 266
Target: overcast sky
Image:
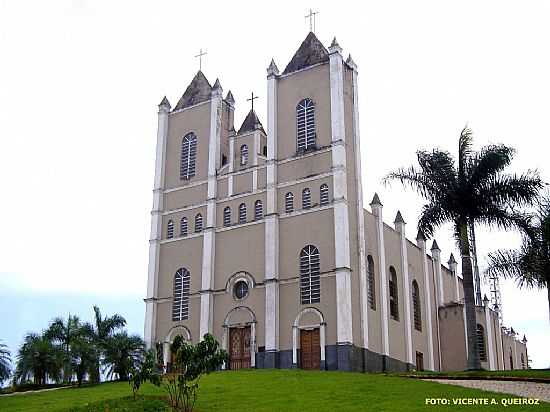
80 82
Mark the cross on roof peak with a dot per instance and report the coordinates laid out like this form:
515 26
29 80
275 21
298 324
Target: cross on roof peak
311 16
201 53
251 100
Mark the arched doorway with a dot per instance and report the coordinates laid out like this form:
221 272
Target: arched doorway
239 338
308 332
168 356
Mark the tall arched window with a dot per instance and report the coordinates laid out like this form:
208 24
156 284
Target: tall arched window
522 358
511 360
289 202
180 306
188 156
371 281
170 229
417 314
244 154
394 297
258 210
310 272
183 226
306 198
323 191
481 343
227 216
242 213
305 125
198 223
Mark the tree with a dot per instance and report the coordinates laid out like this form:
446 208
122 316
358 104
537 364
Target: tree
145 370
83 357
40 359
65 333
121 354
101 330
191 362
5 363
475 192
530 264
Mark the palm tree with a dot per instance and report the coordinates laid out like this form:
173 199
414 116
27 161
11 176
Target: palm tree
101 330
84 355
122 354
5 363
475 192
530 264
65 333
40 359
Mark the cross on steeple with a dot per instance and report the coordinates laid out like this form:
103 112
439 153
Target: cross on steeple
311 17
252 98
201 53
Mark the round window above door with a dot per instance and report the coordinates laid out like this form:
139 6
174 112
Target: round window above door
240 290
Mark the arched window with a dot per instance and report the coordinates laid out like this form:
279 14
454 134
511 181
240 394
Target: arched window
417 314
310 282
264 151
244 154
306 198
511 360
180 306
522 358
183 226
170 229
324 194
198 223
394 297
305 125
258 210
242 213
188 156
481 343
289 202
227 216
371 281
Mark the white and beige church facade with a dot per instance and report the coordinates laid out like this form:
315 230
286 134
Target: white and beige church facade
259 236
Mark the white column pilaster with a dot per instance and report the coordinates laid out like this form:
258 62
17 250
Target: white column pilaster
376 207
156 226
272 217
490 341
209 232
400 228
421 242
436 257
453 265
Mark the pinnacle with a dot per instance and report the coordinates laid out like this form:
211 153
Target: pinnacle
376 200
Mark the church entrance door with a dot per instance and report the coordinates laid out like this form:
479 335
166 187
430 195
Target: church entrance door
310 349
239 348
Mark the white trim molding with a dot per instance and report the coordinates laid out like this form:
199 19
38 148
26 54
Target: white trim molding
296 327
400 228
421 242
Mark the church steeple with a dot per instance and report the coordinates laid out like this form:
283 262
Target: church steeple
251 123
310 52
198 91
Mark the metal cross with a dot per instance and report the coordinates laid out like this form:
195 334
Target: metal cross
311 17
201 53
252 98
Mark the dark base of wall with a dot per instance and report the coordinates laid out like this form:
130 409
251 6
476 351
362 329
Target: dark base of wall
337 357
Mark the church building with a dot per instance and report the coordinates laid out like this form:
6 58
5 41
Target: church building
259 236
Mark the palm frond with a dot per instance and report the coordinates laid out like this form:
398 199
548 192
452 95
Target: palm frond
488 162
433 216
511 190
414 179
465 142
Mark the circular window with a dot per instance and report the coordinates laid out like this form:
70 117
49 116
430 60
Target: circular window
241 289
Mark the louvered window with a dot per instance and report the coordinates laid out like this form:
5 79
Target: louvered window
227 216
183 226
323 194
305 125
310 276
306 198
188 156
289 202
198 223
170 229
394 298
244 154
258 210
481 343
242 213
371 282
180 306
417 313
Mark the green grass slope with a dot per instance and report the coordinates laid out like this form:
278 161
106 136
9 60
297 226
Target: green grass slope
270 390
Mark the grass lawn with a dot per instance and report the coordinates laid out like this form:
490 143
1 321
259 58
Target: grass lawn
270 390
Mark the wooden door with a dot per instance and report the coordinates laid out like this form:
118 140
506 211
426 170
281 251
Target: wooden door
239 348
310 349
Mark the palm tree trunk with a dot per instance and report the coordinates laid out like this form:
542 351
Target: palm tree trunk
473 362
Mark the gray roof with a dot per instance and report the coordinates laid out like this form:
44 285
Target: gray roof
251 123
198 91
310 52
